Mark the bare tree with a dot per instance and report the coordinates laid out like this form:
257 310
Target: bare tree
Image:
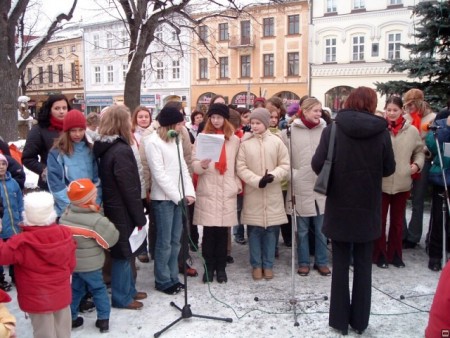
15 55
142 18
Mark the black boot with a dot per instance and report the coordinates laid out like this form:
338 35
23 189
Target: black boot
103 325
221 276
4 285
208 276
77 322
397 261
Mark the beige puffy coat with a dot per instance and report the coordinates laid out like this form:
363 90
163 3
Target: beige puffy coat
304 144
407 146
216 200
261 152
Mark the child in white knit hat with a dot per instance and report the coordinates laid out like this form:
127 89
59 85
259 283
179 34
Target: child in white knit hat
43 255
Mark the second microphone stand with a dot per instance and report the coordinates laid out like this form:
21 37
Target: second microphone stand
186 311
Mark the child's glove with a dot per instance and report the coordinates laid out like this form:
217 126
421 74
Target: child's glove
267 178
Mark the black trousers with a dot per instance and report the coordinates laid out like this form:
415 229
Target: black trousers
434 236
343 309
214 247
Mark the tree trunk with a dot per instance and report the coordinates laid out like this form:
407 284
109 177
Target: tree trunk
132 90
8 102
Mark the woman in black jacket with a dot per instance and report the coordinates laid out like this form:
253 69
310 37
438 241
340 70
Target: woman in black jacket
122 203
362 156
42 136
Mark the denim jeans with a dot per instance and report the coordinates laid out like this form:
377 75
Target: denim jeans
413 232
96 286
238 230
123 287
261 243
168 228
321 256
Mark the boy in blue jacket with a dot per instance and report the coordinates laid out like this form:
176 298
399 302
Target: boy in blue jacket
12 198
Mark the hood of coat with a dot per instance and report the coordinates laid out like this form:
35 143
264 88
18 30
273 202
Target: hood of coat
102 145
360 125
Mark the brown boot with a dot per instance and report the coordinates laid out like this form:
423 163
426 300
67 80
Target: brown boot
134 305
257 273
268 274
140 295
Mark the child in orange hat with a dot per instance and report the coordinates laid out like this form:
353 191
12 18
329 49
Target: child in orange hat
93 233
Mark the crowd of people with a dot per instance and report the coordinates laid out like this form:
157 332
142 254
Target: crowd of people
104 177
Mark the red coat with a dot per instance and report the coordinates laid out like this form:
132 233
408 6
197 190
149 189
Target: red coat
440 309
44 259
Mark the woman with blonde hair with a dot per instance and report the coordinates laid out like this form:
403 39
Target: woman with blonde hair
121 185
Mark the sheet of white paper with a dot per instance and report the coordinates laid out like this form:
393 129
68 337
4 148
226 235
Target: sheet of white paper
447 149
209 146
137 237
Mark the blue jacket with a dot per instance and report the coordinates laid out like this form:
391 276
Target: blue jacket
13 206
63 169
443 135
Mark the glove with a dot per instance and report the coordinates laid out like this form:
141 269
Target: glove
267 178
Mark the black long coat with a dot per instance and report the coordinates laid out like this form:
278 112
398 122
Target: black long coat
363 155
39 142
121 190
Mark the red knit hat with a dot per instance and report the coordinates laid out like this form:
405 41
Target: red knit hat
81 191
74 119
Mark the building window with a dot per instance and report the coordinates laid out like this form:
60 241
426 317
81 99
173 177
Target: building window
223 31
109 41
160 70
60 50
203 68
395 2
268 64
331 6
159 33
268 27
110 73
60 74
293 64
41 75
223 63
29 74
330 50
125 39
50 73
97 74
245 32
174 36
175 69
73 48
359 4
124 72
73 72
143 72
358 48
293 24
203 34
375 49
394 40
49 51
96 41
245 66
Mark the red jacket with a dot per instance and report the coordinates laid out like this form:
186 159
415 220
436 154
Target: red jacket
439 321
44 259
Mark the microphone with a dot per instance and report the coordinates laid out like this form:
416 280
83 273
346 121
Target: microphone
430 126
172 133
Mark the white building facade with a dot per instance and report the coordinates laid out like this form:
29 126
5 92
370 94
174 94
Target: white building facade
164 73
350 41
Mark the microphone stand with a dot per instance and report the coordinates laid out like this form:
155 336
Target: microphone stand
445 202
293 301
186 311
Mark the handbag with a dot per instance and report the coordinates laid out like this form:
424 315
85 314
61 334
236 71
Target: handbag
321 185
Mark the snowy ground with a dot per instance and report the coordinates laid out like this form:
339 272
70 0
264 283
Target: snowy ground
391 316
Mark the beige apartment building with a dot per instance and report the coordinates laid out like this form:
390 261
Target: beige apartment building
57 69
264 52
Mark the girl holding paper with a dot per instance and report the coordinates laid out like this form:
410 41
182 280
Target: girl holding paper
217 190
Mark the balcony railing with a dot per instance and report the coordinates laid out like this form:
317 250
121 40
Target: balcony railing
241 41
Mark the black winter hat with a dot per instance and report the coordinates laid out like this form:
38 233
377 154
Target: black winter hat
219 109
169 116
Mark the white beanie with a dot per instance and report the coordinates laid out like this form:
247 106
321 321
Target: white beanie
38 209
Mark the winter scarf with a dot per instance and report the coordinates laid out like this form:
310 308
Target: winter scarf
308 124
416 120
55 124
222 164
397 125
